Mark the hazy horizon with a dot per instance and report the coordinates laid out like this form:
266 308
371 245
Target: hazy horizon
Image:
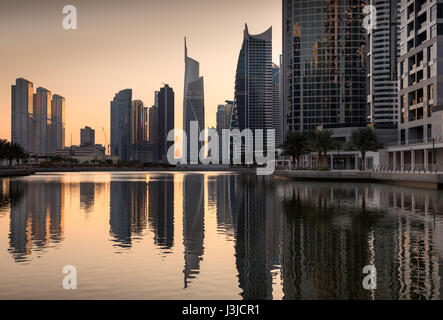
126 44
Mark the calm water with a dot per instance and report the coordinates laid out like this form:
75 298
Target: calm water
216 236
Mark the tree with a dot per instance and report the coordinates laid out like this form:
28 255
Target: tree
322 142
3 150
295 145
364 140
11 151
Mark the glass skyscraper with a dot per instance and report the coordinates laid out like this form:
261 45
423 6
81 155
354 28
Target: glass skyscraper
324 67
193 100
253 103
121 125
165 122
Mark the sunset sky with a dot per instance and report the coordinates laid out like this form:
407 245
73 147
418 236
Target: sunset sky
121 44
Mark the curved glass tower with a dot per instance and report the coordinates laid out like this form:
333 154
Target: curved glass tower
253 104
324 51
193 100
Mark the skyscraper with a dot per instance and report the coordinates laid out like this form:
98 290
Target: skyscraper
87 137
277 114
193 101
382 66
58 122
42 121
253 106
121 125
420 74
324 64
137 124
165 120
22 113
145 123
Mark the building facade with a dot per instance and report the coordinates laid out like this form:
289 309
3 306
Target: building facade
253 98
193 103
165 121
137 122
87 137
42 122
22 114
121 125
277 111
382 65
420 74
58 120
324 64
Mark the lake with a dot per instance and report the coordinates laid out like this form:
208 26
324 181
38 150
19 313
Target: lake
209 235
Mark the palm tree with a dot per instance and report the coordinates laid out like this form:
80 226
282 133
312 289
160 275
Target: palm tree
295 145
364 140
3 150
322 142
18 152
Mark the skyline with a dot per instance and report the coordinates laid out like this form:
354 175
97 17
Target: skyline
68 61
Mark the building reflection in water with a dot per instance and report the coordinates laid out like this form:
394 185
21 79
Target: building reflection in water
193 225
161 211
298 240
87 195
128 211
225 219
331 231
256 236
36 217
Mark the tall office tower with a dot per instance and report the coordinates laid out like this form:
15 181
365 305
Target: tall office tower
324 51
121 125
137 122
223 122
221 119
145 123
420 73
87 137
58 122
382 66
165 120
253 106
193 102
42 121
22 113
153 115
277 114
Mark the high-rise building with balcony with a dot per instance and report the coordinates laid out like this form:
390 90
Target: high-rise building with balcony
137 123
87 137
193 102
58 121
382 53
420 74
42 122
22 114
324 64
121 125
420 78
277 112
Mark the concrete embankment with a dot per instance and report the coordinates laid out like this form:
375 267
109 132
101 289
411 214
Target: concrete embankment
158 169
418 180
15 173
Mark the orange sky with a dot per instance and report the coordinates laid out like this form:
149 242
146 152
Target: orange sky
123 44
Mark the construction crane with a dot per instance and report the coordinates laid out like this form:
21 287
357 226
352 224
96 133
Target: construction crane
106 139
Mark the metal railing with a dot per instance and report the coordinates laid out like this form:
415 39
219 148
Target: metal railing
409 168
415 142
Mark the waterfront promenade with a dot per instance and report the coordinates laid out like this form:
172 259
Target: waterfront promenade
419 180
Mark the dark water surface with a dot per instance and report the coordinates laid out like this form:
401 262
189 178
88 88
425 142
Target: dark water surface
216 236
